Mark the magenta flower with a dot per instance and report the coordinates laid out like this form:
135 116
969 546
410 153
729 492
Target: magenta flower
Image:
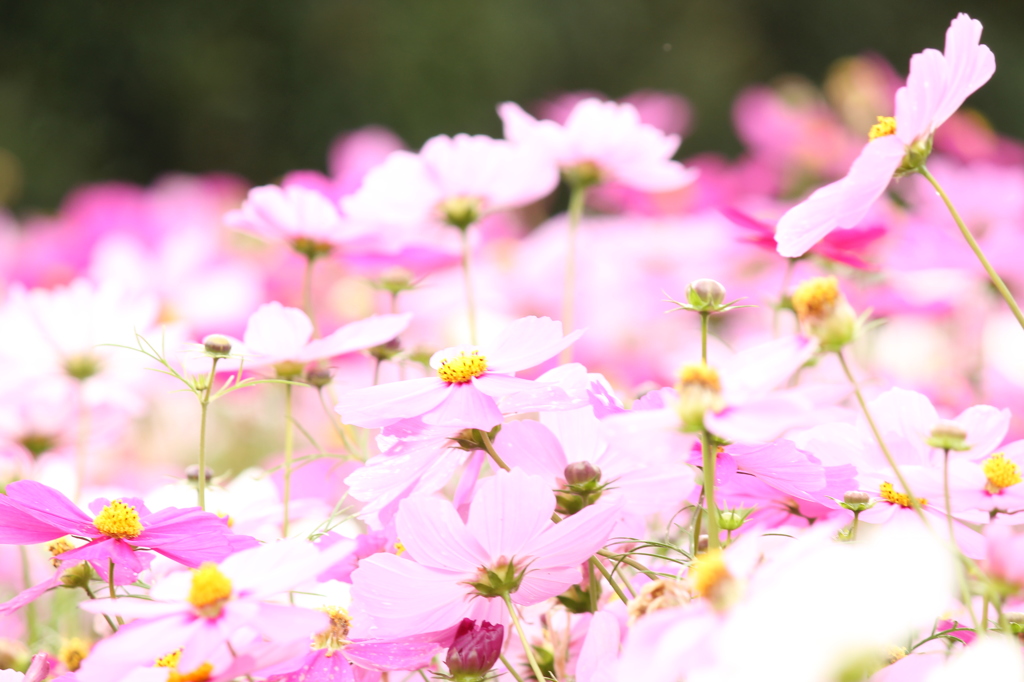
33 512
606 141
452 180
454 569
474 386
201 611
938 84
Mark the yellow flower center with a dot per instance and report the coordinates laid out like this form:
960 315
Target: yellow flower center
707 573
816 297
461 369
699 375
886 126
210 589
200 674
72 652
1000 472
399 548
119 520
889 494
336 635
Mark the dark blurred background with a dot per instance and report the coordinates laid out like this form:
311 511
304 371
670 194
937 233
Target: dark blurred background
129 89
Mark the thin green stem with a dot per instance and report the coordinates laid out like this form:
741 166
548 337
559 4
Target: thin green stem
1004 622
468 281
704 336
695 533
854 527
30 609
522 638
945 492
629 562
110 584
878 438
307 294
594 562
984 613
992 274
593 586
937 635
289 443
508 666
204 403
107 618
577 200
489 447
709 488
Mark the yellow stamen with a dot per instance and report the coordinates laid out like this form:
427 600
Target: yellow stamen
707 573
72 652
200 674
700 375
463 368
119 520
886 126
58 547
399 548
816 297
1000 472
336 635
902 499
210 589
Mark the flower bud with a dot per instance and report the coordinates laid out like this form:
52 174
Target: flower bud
474 651
217 345
581 473
386 351
824 312
318 377
948 435
705 295
856 501
39 669
78 576
192 473
732 519
702 543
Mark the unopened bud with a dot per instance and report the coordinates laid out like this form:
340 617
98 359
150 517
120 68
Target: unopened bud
217 345
581 473
461 212
474 651
705 294
319 377
732 519
386 351
856 501
39 669
192 473
948 435
699 391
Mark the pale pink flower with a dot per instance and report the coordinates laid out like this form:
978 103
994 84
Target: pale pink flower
609 138
509 533
474 386
938 84
453 180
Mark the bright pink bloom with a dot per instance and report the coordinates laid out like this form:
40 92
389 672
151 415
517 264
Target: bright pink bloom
474 386
610 138
509 531
33 513
936 87
201 611
479 174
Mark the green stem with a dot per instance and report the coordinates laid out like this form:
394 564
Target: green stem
878 438
697 515
489 447
204 403
945 492
853 529
468 280
709 488
110 584
992 274
107 618
595 563
577 200
623 558
984 613
593 586
704 336
307 294
522 638
509 667
289 441
1004 622
30 609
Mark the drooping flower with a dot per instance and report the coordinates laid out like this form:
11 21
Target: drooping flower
602 141
474 386
938 84
454 569
33 512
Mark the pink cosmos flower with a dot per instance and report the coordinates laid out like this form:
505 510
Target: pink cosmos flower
453 180
33 512
991 485
454 569
938 84
603 138
281 337
200 611
306 219
474 386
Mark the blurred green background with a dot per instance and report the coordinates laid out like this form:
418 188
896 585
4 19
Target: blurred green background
102 89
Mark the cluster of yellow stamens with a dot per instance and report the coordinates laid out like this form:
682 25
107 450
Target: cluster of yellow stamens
700 375
1000 472
171 660
210 589
72 652
336 635
462 368
58 547
119 520
707 573
816 297
889 494
886 126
